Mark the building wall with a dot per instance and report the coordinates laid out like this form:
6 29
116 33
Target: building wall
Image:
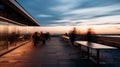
12 34
13 26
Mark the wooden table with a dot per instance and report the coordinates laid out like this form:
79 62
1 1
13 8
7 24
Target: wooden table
96 46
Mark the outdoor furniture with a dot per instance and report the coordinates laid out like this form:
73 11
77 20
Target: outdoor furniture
95 46
65 38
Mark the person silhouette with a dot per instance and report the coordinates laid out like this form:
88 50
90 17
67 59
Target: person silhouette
72 36
89 35
35 38
42 35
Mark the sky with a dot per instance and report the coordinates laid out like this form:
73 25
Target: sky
84 13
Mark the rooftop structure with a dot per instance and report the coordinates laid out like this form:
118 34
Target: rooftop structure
12 13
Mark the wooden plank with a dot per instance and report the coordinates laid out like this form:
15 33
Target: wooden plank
94 45
66 37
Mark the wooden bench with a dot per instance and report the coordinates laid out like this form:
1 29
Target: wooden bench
95 46
113 42
65 38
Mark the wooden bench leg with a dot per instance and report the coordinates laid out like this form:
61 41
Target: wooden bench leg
98 56
80 48
88 50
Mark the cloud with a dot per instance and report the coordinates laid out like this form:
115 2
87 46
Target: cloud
118 28
73 12
67 22
64 5
93 11
61 8
44 15
107 20
61 20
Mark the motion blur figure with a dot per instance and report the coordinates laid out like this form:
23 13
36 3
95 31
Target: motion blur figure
35 38
42 36
72 35
48 36
90 35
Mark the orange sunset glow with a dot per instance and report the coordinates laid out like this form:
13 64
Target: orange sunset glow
80 29
59 33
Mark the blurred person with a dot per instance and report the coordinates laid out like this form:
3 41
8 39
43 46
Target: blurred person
48 36
72 35
42 35
66 34
89 35
13 38
35 38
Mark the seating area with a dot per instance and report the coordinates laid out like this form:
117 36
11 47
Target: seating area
93 50
94 46
64 38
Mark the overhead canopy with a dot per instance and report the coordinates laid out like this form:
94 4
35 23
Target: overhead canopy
13 11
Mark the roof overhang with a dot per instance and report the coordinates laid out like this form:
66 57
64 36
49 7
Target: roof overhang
16 6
